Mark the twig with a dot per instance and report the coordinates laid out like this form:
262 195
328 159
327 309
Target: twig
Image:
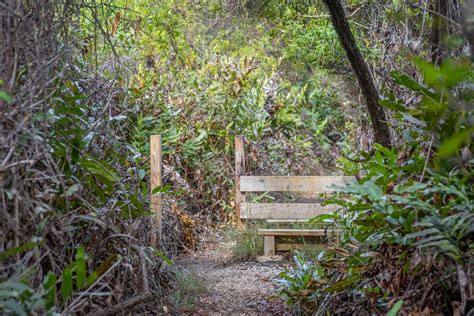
13 164
427 159
414 5
74 303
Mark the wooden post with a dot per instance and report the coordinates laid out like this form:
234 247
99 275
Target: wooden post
269 245
155 181
239 171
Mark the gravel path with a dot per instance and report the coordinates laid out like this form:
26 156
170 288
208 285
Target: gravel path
234 288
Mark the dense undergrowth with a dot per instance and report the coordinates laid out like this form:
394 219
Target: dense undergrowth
84 85
408 223
77 114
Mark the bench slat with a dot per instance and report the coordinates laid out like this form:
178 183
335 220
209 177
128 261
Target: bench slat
296 232
284 210
290 247
292 184
281 220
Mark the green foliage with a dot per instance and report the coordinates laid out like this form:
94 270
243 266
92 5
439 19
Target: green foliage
16 250
198 74
18 297
77 271
247 244
5 97
311 40
417 200
299 280
187 288
443 110
307 37
199 85
395 308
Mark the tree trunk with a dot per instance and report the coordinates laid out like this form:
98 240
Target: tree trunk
366 83
467 13
439 30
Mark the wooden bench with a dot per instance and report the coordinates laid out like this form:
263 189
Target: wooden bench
281 212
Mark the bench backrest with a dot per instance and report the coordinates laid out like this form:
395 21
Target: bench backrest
280 211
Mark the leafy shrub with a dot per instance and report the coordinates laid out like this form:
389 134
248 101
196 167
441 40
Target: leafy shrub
410 218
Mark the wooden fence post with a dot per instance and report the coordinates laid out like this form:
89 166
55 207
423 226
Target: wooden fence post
239 171
155 181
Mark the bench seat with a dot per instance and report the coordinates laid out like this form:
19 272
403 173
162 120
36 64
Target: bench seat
283 212
295 232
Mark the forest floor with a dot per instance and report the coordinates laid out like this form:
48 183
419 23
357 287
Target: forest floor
233 287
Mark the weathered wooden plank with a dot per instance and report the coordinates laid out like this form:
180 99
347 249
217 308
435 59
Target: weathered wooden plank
155 181
239 171
292 184
269 245
296 232
286 220
289 247
284 210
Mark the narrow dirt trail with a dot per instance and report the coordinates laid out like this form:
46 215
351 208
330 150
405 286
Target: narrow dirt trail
234 288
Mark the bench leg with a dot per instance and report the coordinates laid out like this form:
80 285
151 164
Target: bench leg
269 245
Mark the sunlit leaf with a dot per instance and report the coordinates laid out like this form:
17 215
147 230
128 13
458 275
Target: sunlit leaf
410 83
395 308
161 189
431 74
450 146
163 257
454 72
5 97
392 105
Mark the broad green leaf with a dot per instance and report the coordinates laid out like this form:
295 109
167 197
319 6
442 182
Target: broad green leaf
410 118
13 251
72 189
163 257
392 105
66 285
431 74
343 284
323 217
430 239
13 306
100 170
49 284
417 186
5 97
8 293
395 308
450 146
161 189
80 265
454 72
18 287
410 83
91 279
423 233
